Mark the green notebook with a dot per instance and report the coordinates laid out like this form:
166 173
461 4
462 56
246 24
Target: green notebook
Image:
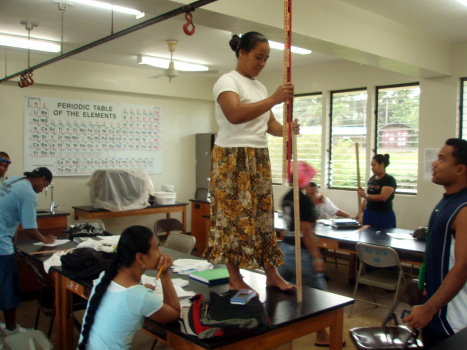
214 276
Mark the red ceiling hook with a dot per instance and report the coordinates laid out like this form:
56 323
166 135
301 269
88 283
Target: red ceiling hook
26 80
30 79
186 26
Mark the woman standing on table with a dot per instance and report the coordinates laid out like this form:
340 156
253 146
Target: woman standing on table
242 231
379 195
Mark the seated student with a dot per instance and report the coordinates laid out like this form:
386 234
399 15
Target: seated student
119 303
4 164
312 263
323 204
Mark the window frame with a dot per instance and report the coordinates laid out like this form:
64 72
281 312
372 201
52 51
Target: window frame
281 119
463 95
329 160
375 141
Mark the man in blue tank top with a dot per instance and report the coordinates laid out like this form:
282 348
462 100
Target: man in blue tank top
444 312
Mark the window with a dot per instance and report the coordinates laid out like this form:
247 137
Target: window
463 109
397 119
308 110
348 127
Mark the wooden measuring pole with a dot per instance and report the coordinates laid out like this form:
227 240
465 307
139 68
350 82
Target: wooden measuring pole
290 146
360 209
287 118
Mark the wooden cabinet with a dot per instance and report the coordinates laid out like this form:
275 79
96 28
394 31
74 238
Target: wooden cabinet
200 224
27 279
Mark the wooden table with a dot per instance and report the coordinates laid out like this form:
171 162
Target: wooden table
88 212
290 320
409 250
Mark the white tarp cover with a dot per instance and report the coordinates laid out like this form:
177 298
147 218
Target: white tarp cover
120 190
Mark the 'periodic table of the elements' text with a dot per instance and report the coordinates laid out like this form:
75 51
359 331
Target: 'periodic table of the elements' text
76 137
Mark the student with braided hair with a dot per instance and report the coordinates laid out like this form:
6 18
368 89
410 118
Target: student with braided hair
119 303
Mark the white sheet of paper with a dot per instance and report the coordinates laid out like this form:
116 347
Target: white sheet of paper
57 242
401 235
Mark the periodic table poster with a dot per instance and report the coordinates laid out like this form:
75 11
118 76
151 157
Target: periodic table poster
76 137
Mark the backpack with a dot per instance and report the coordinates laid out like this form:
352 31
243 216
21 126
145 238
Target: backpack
85 263
217 317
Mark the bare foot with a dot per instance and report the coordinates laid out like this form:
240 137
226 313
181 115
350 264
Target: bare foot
237 285
235 278
273 279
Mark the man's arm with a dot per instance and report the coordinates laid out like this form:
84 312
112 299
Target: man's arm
34 233
455 279
307 229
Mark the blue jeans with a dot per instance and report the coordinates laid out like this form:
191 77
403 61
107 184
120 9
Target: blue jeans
309 277
9 282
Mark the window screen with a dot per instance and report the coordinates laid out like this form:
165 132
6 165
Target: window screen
397 132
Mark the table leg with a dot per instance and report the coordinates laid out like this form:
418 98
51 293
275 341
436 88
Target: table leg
335 334
63 307
352 266
184 218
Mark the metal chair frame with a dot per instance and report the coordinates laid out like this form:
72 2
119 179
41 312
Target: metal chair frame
380 257
397 337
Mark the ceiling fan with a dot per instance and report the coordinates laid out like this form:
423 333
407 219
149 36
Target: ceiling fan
171 72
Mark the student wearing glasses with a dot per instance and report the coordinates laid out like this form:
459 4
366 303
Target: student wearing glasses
4 164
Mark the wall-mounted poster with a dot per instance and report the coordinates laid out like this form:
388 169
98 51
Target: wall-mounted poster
76 137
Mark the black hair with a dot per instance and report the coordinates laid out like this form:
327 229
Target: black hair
134 239
4 154
382 158
313 184
247 42
459 149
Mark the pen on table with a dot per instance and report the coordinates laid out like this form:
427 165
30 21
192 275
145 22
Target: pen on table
160 272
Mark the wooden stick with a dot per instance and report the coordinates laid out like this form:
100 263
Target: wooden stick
50 251
290 146
287 117
360 209
296 209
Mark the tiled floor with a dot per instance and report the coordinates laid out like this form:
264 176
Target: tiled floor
364 314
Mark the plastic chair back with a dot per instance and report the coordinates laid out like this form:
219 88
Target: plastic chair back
165 226
180 242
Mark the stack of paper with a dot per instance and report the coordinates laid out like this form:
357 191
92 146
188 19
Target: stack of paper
187 266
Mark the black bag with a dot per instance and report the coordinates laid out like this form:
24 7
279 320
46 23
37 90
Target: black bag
217 317
85 263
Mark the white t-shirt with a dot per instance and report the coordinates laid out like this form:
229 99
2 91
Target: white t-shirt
120 315
327 207
249 134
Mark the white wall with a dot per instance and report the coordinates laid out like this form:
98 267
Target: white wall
182 119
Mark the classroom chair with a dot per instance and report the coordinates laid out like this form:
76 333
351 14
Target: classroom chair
180 242
46 301
391 337
164 227
379 257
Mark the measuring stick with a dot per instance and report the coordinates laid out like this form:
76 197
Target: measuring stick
290 146
287 117
50 251
360 209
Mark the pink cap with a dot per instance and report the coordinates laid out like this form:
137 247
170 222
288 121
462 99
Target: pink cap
305 173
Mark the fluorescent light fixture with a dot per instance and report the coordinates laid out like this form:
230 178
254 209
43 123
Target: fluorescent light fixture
463 2
295 49
23 42
104 5
163 63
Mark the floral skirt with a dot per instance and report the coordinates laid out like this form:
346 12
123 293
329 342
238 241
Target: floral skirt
242 209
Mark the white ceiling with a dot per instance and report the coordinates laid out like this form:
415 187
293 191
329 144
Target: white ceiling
444 19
